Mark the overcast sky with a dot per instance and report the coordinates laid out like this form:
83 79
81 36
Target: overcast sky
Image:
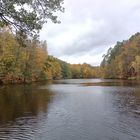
89 27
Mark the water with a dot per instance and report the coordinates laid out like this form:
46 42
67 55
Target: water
90 109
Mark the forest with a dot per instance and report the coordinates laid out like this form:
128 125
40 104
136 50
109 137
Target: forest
28 61
123 61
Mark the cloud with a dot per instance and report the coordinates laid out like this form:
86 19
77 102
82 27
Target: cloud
89 27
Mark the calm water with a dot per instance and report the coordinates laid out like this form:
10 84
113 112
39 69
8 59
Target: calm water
71 110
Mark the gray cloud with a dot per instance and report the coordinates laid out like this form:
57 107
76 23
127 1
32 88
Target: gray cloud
89 27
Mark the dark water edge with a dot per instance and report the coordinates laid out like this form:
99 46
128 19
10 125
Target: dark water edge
74 109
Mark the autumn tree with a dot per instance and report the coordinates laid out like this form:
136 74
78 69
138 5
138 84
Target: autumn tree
76 71
21 64
53 68
7 57
122 61
136 66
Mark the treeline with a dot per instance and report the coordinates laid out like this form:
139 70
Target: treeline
24 61
123 61
58 69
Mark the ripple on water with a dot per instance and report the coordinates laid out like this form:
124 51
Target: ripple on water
21 129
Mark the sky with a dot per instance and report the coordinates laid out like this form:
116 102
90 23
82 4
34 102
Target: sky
89 27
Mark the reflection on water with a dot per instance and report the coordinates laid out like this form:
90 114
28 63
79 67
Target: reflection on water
89 109
22 107
20 100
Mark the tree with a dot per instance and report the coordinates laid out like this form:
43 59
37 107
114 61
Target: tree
123 61
86 71
76 71
136 66
65 70
28 16
7 58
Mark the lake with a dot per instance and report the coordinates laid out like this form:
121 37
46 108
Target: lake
76 109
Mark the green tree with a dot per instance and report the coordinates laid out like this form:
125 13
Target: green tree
28 16
65 70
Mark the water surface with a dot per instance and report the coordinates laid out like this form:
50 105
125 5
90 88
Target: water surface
77 109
